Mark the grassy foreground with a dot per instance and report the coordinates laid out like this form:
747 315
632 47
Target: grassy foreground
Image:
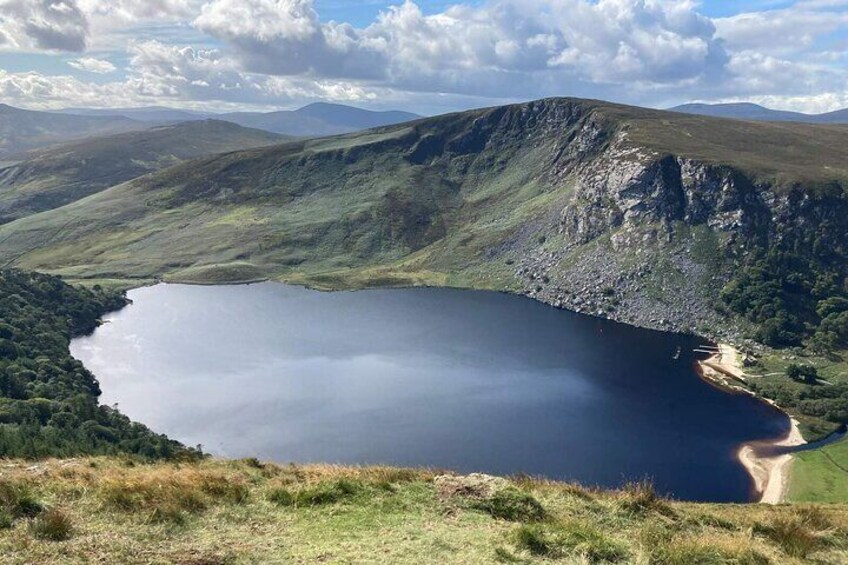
112 510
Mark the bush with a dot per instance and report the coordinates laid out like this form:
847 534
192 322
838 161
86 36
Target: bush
573 539
802 373
641 497
793 535
513 505
317 495
688 552
281 496
52 525
17 500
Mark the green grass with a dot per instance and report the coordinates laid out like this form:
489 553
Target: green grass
216 511
820 475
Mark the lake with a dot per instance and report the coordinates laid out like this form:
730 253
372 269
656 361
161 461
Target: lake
465 380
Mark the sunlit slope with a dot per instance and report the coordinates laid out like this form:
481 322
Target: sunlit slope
456 199
49 178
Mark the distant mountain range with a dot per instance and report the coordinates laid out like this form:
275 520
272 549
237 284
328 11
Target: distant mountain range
146 114
22 130
25 130
748 111
310 121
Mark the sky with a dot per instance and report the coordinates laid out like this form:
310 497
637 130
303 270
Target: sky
425 56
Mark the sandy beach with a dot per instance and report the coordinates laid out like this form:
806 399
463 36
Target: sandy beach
770 473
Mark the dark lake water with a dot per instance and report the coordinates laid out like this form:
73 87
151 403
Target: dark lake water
472 381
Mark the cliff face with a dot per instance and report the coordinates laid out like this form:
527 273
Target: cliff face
651 238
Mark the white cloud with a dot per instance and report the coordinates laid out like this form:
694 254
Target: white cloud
516 47
282 52
92 65
783 31
50 25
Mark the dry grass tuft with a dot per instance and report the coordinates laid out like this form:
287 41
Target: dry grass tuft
52 525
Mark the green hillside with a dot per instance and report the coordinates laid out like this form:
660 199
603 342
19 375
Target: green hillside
48 178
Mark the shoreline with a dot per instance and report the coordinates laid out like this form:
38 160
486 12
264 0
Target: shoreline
770 473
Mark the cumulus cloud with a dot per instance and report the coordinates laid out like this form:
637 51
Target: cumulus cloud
266 52
783 31
504 44
52 25
92 65
123 11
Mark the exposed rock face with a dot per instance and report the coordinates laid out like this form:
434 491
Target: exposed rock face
650 239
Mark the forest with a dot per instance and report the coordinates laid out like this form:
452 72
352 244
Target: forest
49 400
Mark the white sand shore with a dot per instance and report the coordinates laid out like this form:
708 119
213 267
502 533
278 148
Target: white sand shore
770 474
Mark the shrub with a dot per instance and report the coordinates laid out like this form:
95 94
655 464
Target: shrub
167 513
17 500
317 495
514 505
329 493
802 373
570 539
641 497
691 551
792 535
52 525
282 497
226 489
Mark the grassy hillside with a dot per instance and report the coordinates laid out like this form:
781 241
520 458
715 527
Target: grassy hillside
221 512
22 130
48 178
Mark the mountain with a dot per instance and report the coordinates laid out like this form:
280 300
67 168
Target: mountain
318 119
145 114
22 130
47 178
748 111
594 206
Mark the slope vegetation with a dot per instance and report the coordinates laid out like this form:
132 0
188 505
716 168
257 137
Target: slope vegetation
22 130
221 512
49 178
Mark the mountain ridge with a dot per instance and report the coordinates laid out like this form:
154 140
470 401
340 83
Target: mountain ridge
23 130
312 120
750 111
46 178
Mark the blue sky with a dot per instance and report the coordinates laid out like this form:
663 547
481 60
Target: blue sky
427 56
